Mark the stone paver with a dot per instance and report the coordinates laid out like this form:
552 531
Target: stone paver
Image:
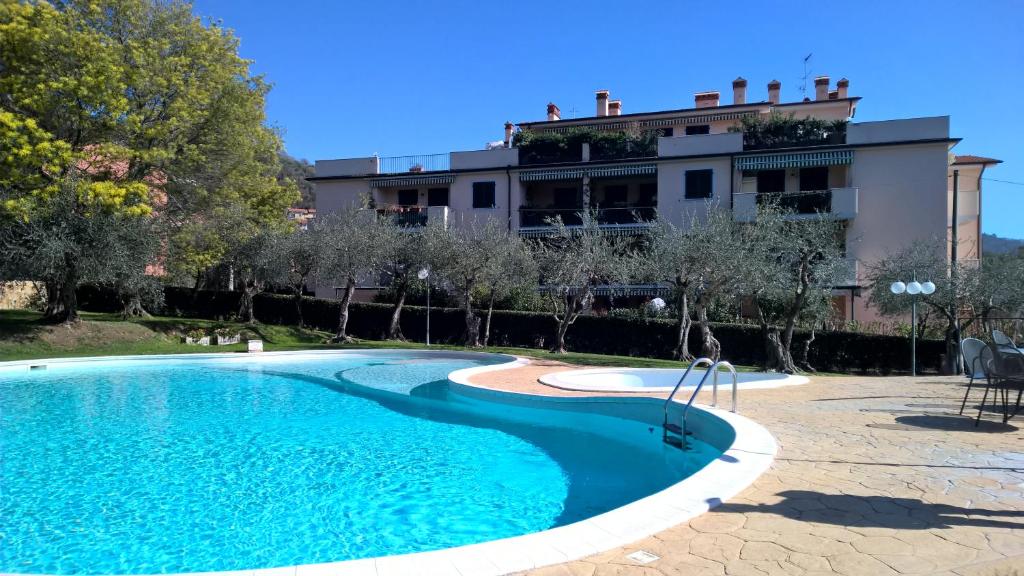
875 475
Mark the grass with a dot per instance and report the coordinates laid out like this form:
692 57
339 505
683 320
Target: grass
24 337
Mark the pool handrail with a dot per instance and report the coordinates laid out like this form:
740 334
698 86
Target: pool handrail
713 369
694 364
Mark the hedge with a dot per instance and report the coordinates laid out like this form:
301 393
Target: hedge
654 338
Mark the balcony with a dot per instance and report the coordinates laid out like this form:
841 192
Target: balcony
849 275
840 203
413 164
412 216
624 220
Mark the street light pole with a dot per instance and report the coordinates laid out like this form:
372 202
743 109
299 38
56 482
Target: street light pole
913 288
424 275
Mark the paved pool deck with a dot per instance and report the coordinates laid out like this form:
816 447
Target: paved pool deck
875 476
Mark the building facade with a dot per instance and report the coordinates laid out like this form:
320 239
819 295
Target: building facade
891 182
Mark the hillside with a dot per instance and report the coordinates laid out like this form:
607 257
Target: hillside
997 245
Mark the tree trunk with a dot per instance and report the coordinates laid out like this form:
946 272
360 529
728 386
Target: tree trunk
805 353
133 307
341 335
63 305
710 346
682 351
54 306
563 327
298 304
952 349
245 312
472 322
781 356
395 327
487 321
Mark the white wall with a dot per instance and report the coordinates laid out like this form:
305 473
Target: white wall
497 158
930 128
672 204
333 195
901 199
703 144
346 167
460 198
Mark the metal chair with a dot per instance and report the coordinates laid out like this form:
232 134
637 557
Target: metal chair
1002 340
971 349
1004 370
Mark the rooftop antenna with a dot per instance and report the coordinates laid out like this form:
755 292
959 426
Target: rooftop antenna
807 74
572 112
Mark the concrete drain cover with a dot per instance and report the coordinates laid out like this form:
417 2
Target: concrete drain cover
642 557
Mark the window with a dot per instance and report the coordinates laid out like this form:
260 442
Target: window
698 129
814 178
566 198
408 197
667 132
615 195
437 197
769 181
698 184
483 195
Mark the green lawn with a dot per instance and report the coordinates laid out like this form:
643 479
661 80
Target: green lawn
24 337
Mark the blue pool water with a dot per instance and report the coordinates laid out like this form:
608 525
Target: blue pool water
177 465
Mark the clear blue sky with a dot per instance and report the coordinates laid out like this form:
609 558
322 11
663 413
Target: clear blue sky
395 78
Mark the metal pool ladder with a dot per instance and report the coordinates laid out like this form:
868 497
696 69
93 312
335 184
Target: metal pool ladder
675 434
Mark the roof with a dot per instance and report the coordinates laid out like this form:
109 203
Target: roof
970 159
708 109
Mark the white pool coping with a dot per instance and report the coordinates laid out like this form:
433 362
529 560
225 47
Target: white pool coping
660 380
750 454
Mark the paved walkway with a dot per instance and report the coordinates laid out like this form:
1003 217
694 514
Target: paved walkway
875 476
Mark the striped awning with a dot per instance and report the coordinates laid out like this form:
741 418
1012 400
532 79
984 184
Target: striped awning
397 181
576 173
794 160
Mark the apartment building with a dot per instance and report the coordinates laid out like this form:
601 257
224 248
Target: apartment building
889 182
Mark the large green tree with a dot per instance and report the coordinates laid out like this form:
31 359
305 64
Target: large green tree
134 108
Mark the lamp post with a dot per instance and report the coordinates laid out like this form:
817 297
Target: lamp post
914 288
424 275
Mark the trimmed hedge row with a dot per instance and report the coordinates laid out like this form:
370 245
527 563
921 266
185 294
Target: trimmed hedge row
654 338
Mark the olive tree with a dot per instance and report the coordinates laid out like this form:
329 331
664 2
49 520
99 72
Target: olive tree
965 291
402 253
572 262
509 269
296 261
349 240
699 263
254 264
462 257
63 247
789 268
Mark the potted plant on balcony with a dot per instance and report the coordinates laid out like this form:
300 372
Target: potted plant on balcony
416 168
224 336
197 336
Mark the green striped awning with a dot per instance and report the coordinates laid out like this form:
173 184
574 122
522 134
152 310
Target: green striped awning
576 173
397 181
794 160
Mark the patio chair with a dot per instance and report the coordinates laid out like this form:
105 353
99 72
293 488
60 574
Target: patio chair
1004 372
1002 340
971 349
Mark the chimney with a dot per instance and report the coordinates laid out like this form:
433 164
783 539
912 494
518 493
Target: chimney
774 87
706 99
508 134
739 91
821 88
841 87
553 112
602 102
615 107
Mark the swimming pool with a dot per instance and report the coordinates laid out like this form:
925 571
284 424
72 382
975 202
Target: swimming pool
231 462
660 379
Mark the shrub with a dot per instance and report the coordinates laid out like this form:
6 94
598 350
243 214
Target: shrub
621 335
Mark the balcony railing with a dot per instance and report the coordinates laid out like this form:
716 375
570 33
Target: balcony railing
534 217
414 164
405 216
839 203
